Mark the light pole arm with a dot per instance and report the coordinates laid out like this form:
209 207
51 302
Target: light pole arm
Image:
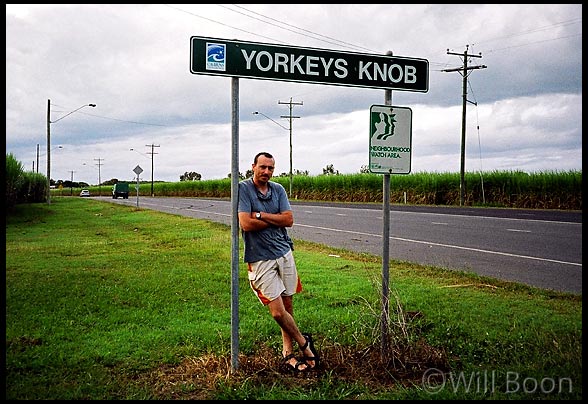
142 154
288 129
49 142
75 110
277 123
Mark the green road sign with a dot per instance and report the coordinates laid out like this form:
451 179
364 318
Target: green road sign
390 139
221 57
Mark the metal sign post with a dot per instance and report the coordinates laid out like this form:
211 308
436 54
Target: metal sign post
389 153
138 170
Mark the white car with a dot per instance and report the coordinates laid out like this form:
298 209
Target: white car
85 192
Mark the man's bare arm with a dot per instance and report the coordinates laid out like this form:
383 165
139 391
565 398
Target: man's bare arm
249 222
282 219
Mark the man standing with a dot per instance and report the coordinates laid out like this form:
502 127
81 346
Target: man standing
264 215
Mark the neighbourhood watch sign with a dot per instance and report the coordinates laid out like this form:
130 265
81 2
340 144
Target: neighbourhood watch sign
255 60
390 139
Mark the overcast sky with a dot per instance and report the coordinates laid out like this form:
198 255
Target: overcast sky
133 61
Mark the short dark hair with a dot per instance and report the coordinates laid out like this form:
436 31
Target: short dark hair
265 154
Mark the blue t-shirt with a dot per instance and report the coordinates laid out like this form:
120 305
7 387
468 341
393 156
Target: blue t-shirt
272 242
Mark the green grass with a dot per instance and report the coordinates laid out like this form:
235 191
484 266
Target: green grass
106 301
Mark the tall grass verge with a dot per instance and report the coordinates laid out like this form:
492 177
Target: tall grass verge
510 189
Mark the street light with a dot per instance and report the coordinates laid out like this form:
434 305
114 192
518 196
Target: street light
142 154
49 142
283 127
44 154
277 123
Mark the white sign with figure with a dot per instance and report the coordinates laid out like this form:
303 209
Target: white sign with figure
390 139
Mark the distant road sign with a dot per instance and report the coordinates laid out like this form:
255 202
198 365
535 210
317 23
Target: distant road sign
138 170
221 57
390 139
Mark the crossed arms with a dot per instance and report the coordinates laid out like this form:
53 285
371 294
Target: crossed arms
249 222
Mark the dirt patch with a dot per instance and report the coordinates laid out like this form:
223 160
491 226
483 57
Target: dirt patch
197 378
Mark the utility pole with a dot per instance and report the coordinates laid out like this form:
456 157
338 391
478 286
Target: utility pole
290 117
71 183
37 157
99 180
464 72
48 151
152 153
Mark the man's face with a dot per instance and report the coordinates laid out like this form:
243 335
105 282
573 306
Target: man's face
264 169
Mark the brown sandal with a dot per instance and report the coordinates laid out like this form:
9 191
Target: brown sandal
296 367
315 356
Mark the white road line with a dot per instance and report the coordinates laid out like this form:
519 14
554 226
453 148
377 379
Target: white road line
399 238
444 245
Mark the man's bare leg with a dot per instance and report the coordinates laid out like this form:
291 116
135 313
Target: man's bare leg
282 311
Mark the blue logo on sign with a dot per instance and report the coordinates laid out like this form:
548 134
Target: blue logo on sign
215 56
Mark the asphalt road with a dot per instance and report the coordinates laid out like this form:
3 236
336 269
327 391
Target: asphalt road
541 248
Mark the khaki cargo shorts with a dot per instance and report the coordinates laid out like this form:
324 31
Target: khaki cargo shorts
273 278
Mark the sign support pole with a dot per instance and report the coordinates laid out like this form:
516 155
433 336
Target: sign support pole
385 263
386 247
235 224
138 170
137 190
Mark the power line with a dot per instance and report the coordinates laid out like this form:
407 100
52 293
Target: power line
318 36
479 143
123 120
223 24
531 31
339 42
328 39
532 43
534 30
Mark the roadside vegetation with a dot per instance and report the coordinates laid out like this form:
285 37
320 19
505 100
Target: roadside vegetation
22 186
508 189
111 302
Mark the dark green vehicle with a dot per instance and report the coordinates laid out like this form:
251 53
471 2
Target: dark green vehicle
120 189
